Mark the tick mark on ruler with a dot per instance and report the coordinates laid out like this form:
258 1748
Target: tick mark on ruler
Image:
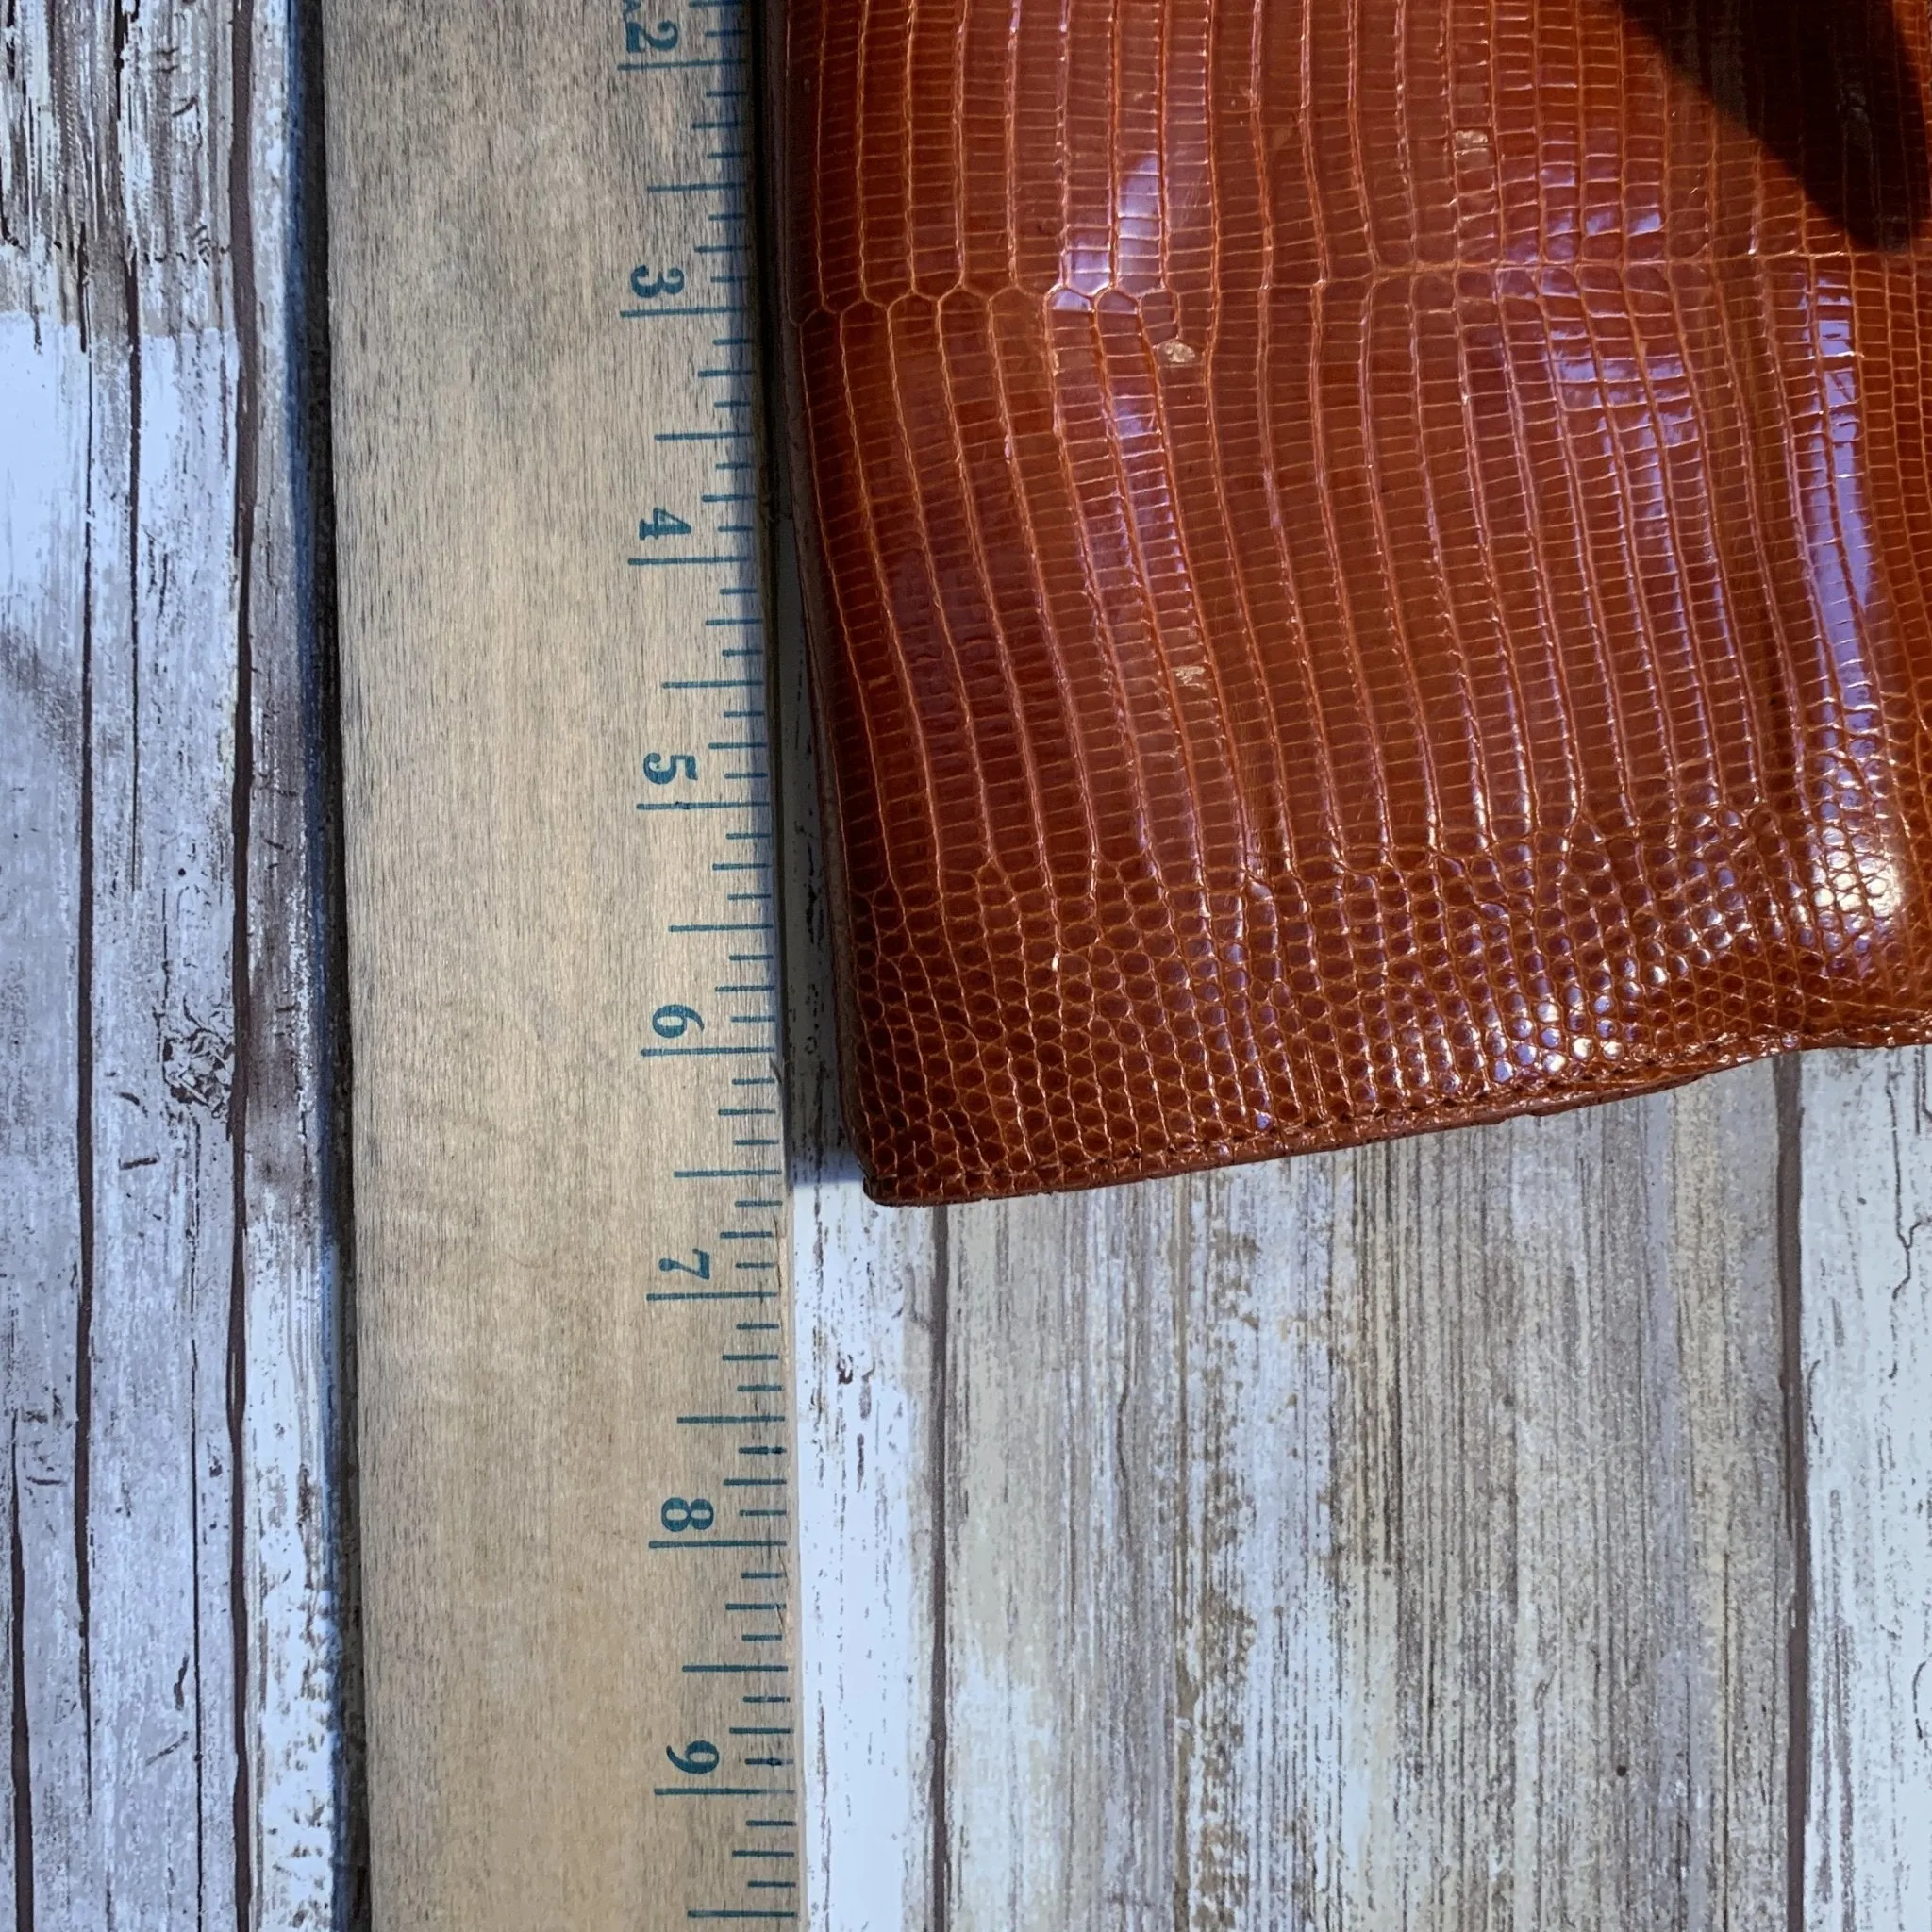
719 1790
679 66
712 1295
716 1543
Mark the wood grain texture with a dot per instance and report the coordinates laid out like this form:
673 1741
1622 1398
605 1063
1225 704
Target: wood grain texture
1392 1539
173 1489
871 1344
1865 1781
524 1405
1400 1545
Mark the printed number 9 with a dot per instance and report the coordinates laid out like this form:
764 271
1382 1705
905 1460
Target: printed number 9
660 768
700 1756
673 1023
678 1516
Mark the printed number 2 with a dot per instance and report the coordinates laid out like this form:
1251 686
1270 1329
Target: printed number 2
639 38
660 768
700 1265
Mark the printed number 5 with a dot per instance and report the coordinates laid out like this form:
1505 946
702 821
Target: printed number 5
661 767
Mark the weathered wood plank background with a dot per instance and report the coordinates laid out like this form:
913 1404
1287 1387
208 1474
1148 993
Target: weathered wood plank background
172 1494
1529 1527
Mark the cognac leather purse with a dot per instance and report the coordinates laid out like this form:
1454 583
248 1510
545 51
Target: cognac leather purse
1368 560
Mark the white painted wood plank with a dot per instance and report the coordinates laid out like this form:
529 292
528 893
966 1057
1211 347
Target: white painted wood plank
1271 1804
175 1696
161 1485
870 1330
1063 1454
868 1562
47 1848
1865 1232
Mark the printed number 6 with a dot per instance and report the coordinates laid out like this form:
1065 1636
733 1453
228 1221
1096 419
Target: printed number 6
700 1756
673 1023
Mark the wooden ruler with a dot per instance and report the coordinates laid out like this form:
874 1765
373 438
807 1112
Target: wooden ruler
570 1171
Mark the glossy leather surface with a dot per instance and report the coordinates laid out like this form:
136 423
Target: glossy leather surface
1369 562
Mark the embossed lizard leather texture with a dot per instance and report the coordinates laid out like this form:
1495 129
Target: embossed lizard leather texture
1369 561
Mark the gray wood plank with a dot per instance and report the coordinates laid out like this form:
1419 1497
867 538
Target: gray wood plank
176 1695
1560 1522
1064 1443
1865 1779
1393 1539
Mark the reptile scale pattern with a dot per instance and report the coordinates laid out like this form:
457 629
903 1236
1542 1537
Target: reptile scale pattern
1369 562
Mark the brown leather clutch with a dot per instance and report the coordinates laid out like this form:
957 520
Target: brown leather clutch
1368 560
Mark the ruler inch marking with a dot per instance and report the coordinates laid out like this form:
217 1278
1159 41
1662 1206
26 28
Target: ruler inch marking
699 447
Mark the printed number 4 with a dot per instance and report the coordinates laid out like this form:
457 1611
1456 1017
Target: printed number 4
661 522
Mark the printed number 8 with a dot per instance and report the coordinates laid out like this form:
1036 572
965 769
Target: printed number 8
678 1515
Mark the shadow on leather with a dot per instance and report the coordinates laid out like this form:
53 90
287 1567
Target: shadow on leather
1828 85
